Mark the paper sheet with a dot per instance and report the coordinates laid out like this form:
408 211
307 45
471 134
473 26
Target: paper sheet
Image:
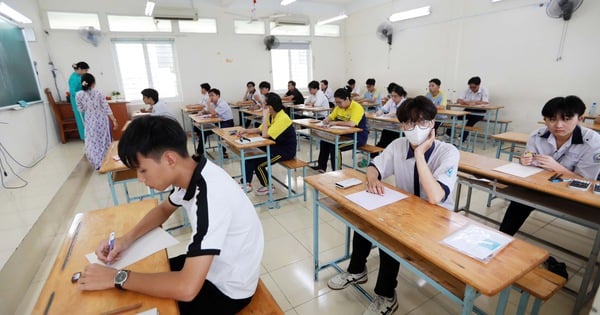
152 311
252 140
371 201
143 247
518 169
478 242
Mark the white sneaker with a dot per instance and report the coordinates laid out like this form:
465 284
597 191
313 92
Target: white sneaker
382 306
264 191
345 279
248 187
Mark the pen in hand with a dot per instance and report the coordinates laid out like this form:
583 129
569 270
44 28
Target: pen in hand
111 244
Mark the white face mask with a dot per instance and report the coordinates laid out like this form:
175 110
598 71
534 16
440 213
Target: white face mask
417 135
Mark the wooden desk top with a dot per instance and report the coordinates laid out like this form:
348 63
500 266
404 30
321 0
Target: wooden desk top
483 166
313 124
309 108
373 116
482 107
449 112
192 108
85 233
593 126
254 112
420 227
511 136
205 120
223 133
109 164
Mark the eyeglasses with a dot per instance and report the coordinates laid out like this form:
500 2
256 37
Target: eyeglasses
408 126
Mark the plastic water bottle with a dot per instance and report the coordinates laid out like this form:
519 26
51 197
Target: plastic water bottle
593 109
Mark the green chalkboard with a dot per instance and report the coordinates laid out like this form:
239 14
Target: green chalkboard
17 78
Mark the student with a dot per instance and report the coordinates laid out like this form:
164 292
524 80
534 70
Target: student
438 98
157 108
327 91
474 95
201 106
389 89
398 96
434 165
346 113
93 104
293 94
250 95
563 146
79 69
278 127
372 95
316 97
354 88
220 271
217 108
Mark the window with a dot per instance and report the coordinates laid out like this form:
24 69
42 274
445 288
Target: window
291 61
289 29
249 27
329 30
200 26
72 21
147 64
121 23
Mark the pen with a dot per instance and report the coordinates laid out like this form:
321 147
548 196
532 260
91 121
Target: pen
553 177
111 242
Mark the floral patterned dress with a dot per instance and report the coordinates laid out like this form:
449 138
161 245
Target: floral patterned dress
98 135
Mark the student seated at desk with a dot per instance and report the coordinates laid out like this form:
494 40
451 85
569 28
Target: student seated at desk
398 96
217 107
328 92
277 126
201 106
474 95
220 271
438 98
293 94
251 96
346 113
372 95
389 89
354 88
421 165
316 98
157 107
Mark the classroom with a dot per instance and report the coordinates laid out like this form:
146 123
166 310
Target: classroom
523 55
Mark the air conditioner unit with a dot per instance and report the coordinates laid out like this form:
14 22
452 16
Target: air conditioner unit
291 20
167 13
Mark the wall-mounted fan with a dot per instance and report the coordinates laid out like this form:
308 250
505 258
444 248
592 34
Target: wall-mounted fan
385 31
91 35
271 42
562 8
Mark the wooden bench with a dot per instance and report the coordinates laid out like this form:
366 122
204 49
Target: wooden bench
471 139
262 303
502 125
540 283
290 165
369 149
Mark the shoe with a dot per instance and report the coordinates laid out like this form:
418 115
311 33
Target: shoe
382 306
556 267
363 163
316 168
264 191
225 155
248 187
345 279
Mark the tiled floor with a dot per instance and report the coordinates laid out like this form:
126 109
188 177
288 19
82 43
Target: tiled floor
287 262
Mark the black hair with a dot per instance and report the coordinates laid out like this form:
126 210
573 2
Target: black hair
325 82
436 81
80 65
264 85
293 83
370 81
205 86
87 80
274 100
399 90
351 82
151 136
564 107
151 93
343 93
416 109
474 80
313 85
215 91
250 83
391 87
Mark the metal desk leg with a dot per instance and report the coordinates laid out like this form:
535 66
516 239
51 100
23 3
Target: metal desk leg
336 149
589 270
470 295
111 185
243 167
502 301
487 128
270 175
499 148
316 232
354 152
462 132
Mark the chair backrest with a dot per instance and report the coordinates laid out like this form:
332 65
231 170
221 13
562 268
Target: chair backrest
62 111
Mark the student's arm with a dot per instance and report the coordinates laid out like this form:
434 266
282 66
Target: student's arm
211 110
264 127
549 163
433 189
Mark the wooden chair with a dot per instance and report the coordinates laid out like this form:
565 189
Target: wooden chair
64 116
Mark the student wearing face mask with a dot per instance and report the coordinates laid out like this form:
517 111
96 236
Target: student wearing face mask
420 165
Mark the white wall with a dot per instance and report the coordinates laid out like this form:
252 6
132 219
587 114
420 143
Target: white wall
512 45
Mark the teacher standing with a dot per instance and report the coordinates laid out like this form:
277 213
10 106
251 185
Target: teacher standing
79 69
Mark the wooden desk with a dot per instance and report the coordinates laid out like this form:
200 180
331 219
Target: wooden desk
203 122
488 116
331 135
556 199
303 108
514 139
60 296
593 126
412 230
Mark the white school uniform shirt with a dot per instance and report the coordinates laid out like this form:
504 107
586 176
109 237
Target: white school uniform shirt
223 109
319 99
390 107
329 94
398 159
482 94
356 89
162 109
204 100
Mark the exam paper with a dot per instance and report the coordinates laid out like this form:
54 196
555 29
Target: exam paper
152 311
143 247
518 169
478 242
252 140
371 201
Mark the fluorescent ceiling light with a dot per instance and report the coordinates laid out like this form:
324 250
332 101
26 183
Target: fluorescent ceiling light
286 2
410 14
13 14
496 0
149 8
333 19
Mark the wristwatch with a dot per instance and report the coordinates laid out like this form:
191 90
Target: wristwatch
120 278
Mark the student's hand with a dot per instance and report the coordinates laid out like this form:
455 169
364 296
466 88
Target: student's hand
374 185
106 255
423 147
96 277
265 112
379 113
549 163
242 132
